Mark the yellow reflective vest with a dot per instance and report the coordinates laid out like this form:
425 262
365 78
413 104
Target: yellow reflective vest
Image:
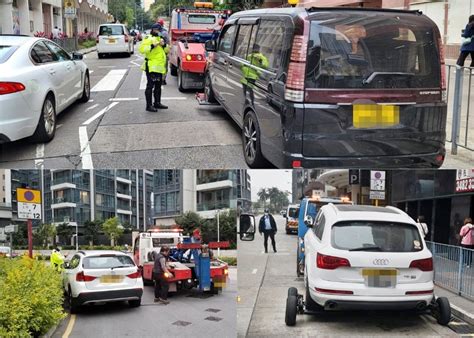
249 73
56 260
155 57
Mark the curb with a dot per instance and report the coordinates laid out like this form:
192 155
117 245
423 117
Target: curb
462 314
87 51
53 330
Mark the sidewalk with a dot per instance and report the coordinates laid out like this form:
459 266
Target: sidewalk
461 307
87 50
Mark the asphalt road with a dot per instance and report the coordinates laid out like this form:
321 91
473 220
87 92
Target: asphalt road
264 280
113 130
188 315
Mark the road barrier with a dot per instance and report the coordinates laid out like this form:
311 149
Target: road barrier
453 268
460 81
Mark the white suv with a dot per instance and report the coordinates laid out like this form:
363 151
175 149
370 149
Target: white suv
102 276
365 257
114 38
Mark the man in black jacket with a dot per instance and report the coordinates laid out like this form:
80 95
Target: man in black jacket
268 227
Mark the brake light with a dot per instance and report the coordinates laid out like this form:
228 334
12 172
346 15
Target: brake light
294 89
295 163
423 292
97 40
330 262
338 292
136 274
444 96
126 38
423 264
11 87
80 277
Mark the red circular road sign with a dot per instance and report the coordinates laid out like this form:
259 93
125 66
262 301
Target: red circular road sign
29 196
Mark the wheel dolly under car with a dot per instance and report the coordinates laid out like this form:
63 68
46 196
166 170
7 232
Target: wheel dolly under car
439 308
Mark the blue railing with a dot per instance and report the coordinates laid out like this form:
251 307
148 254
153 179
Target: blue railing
453 268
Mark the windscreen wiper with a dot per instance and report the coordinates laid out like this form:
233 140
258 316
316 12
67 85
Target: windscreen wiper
121 266
372 76
367 248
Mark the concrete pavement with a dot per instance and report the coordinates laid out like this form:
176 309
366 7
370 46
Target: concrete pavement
264 280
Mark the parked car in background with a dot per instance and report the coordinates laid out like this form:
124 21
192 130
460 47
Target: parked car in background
137 36
291 225
332 87
114 39
38 80
102 276
5 251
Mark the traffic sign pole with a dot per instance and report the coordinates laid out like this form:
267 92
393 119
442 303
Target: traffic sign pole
30 238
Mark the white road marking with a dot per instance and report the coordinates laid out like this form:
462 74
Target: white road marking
40 150
143 81
59 126
100 113
254 271
91 71
90 101
139 57
106 67
92 107
110 81
119 99
136 64
86 157
175 98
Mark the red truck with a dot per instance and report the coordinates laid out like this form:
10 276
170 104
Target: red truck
189 30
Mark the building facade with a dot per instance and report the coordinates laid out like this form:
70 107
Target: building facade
5 197
201 191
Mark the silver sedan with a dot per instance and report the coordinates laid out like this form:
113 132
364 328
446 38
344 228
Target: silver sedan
38 80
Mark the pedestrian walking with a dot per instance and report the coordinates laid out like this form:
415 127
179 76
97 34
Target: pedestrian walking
424 227
268 227
468 43
161 274
467 240
56 32
154 50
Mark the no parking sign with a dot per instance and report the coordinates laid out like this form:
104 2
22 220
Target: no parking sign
29 203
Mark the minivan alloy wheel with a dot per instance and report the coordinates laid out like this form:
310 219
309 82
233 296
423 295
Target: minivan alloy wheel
250 134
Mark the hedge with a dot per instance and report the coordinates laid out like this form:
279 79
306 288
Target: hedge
232 261
31 297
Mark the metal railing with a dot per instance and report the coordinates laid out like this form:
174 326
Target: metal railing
460 94
453 269
69 44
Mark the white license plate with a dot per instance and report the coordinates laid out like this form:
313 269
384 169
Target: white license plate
380 278
110 279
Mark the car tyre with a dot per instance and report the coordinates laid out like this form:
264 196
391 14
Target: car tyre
135 302
47 122
310 304
291 310
211 98
100 55
292 291
180 80
251 141
73 306
442 311
86 92
173 70
298 271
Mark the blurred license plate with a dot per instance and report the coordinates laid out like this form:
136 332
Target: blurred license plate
111 279
375 116
112 40
380 278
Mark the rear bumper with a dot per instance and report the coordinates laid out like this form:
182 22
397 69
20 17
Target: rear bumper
109 296
115 48
193 80
17 119
355 305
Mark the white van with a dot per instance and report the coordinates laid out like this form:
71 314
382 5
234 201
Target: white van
114 38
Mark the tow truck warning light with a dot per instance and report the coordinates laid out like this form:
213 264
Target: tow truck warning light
200 4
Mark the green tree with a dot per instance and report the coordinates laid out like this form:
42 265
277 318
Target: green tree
64 232
263 196
92 230
20 238
45 234
227 227
189 221
112 229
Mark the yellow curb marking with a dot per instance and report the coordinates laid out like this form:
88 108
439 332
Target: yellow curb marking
70 326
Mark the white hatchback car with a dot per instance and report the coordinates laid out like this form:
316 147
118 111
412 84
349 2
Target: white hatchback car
365 257
114 38
102 276
38 80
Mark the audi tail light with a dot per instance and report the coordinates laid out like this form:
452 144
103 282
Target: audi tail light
331 262
126 38
337 292
11 87
422 264
294 88
81 277
422 292
134 275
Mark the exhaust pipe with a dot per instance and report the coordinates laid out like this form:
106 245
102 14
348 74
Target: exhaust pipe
421 306
331 305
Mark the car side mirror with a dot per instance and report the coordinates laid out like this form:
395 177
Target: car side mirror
247 227
210 46
66 265
77 56
308 220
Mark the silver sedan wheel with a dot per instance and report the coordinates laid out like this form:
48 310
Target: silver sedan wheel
49 117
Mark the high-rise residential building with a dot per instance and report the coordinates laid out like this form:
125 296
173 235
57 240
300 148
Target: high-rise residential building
201 191
5 197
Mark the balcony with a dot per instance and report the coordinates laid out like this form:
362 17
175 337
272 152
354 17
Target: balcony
124 195
123 180
214 185
61 186
124 212
61 202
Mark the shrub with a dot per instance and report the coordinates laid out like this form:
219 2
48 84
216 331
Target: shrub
229 260
31 297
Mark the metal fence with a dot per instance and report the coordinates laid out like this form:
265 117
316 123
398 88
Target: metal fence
69 44
453 268
460 93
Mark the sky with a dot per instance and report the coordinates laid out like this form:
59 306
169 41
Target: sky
269 178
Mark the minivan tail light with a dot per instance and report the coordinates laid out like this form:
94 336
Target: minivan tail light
444 95
81 277
423 264
330 262
11 87
136 274
294 89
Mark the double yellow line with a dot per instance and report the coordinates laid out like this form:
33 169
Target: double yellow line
70 326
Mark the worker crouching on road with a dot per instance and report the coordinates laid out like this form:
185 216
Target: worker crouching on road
154 49
161 274
57 260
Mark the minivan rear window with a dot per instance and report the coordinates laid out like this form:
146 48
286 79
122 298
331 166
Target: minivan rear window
111 30
6 52
376 236
107 262
372 50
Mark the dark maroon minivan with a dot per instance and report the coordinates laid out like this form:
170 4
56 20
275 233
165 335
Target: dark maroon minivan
332 87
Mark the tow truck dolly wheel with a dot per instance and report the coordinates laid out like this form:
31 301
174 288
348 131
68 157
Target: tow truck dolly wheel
291 310
441 310
292 291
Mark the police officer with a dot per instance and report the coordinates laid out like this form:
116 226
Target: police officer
161 274
164 35
268 227
57 260
250 74
154 49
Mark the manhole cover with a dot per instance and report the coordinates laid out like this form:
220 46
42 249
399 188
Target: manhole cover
213 310
213 319
181 323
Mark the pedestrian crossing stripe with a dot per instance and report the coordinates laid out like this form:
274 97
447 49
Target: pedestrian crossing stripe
110 81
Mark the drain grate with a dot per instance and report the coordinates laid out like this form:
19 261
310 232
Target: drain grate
212 310
213 319
181 323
